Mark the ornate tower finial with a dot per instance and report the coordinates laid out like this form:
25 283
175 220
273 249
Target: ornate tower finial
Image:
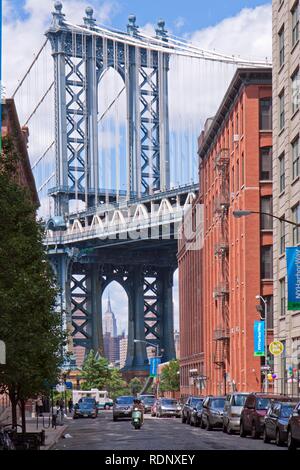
132 28
161 32
58 16
89 20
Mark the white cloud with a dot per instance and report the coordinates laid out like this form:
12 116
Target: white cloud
248 34
179 22
23 37
148 29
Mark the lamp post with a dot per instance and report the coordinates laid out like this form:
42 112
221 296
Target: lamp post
156 346
259 297
245 213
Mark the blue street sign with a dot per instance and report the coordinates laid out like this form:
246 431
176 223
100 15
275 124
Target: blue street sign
154 361
293 277
259 338
69 385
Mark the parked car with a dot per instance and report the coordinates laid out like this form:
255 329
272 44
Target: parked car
154 407
232 411
148 401
293 431
85 409
122 407
197 414
276 422
168 407
254 412
212 413
188 408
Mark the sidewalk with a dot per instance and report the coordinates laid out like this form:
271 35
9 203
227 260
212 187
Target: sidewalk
52 435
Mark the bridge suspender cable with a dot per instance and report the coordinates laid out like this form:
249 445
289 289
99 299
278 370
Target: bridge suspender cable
39 104
29 69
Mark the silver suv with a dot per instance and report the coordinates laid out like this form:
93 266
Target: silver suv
122 407
232 411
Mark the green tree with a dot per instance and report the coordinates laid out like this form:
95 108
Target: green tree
169 377
95 372
29 324
135 385
117 385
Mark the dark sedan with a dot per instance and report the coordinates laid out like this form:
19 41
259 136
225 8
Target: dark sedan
188 408
148 401
197 414
276 422
85 409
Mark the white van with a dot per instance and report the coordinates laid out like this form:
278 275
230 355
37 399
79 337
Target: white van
101 397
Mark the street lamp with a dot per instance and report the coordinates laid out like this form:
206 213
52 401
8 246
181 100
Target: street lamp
156 346
245 213
259 297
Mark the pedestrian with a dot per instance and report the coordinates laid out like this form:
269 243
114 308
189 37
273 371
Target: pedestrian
61 410
70 405
39 406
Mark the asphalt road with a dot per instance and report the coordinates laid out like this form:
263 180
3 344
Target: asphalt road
156 434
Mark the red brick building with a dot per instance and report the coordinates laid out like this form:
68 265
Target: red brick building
219 283
19 135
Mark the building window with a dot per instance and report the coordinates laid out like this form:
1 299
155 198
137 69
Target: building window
265 114
295 24
281 173
237 175
232 180
270 317
266 262
282 296
296 218
281 110
281 46
242 119
296 159
266 221
282 236
295 91
266 163
243 169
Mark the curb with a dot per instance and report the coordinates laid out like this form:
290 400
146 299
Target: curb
57 437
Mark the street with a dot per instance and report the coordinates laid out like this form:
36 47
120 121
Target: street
156 434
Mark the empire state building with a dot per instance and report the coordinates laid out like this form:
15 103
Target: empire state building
109 321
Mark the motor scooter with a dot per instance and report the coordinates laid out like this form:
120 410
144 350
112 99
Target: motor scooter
136 418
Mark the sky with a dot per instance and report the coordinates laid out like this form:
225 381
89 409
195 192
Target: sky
240 27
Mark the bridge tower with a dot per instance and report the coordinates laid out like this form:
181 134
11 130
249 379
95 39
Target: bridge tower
84 267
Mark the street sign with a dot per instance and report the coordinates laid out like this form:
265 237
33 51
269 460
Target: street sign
2 352
293 277
69 385
259 338
265 368
60 388
276 348
154 361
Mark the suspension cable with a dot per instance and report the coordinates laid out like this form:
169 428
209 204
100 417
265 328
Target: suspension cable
30 67
39 103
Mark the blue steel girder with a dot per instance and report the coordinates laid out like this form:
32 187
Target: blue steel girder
81 58
76 123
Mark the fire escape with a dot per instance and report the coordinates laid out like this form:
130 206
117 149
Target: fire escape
221 291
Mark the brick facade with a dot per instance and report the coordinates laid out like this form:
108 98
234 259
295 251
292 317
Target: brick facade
219 283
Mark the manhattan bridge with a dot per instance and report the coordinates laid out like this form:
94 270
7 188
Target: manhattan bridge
114 119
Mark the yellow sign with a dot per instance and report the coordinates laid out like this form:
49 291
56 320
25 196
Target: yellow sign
276 348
